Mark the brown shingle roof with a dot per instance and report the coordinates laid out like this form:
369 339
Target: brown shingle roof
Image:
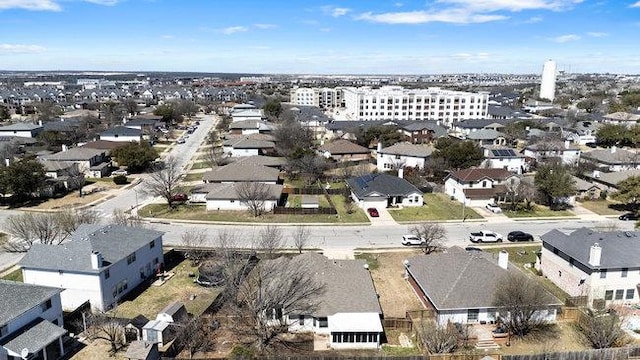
340 147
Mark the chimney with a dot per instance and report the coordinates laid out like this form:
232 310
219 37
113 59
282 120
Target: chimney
96 260
64 147
566 144
7 162
614 149
40 122
401 173
379 146
503 259
595 253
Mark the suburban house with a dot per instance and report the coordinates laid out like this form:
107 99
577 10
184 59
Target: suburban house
613 159
466 127
107 146
567 153
227 196
121 134
248 127
477 187
621 118
30 322
101 264
239 172
459 285
345 151
62 176
498 157
422 132
144 123
21 130
586 190
90 162
487 137
242 112
603 267
383 190
260 160
248 145
402 155
609 181
348 313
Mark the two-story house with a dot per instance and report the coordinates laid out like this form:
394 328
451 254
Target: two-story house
604 267
498 157
476 187
90 162
402 155
567 153
30 322
101 264
613 159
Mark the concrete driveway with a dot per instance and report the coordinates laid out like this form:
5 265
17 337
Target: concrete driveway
384 219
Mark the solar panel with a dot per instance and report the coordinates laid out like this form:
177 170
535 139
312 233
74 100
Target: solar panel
496 152
511 152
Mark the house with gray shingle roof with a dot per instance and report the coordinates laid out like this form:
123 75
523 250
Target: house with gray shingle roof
402 155
345 151
227 196
382 190
348 311
100 264
121 134
239 172
30 318
248 145
21 129
487 137
613 159
604 267
90 162
460 285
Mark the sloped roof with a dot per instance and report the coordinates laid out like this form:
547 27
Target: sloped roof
484 134
75 154
241 172
260 160
35 336
607 156
19 297
613 178
381 184
620 249
114 242
140 349
229 191
622 116
408 149
341 146
121 131
103 144
20 127
479 174
460 279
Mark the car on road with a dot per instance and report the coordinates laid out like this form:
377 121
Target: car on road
122 172
181 141
519 236
494 208
409 240
373 212
197 122
485 236
629 216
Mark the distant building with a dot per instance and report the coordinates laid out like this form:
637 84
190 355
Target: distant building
323 97
548 82
398 103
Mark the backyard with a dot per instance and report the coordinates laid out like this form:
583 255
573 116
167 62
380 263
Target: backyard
436 207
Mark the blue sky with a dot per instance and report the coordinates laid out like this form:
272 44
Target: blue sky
320 37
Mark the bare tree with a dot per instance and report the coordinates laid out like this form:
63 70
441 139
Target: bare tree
433 235
300 235
254 195
106 327
438 339
120 217
310 167
270 239
602 329
194 240
75 178
44 228
164 182
214 156
195 335
524 300
274 290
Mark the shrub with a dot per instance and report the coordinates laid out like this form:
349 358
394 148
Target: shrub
120 180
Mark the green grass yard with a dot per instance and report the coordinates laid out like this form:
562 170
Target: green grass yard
600 207
538 211
436 207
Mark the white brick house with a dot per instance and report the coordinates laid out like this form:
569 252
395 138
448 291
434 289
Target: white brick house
100 264
477 187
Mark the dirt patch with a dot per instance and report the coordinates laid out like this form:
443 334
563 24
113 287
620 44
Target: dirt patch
396 296
99 349
563 337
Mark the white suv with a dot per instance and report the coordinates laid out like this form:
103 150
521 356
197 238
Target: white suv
412 240
494 208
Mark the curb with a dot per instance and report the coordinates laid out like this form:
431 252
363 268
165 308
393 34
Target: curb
454 221
558 218
166 221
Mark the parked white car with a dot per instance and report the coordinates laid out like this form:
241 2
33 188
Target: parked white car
119 172
485 236
494 208
408 240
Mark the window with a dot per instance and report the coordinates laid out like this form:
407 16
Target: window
301 320
624 272
603 274
324 322
608 295
46 305
630 294
107 274
152 244
4 329
619 294
472 315
131 258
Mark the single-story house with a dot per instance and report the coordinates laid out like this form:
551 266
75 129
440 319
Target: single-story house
239 172
383 190
586 190
487 137
621 118
499 157
459 285
477 187
613 159
403 154
242 112
345 151
609 180
21 129
122 134
227 196
248 145
260 160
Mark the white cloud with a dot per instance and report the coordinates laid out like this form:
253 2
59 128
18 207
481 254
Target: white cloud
455 16
513 5
13 49
335 11
534 20
234 29
35 5
265 26
635 4
566 38
597 34
103 2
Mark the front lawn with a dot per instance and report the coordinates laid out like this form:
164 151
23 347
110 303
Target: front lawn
537 211
201 165
601 207
179 287
436 207
193 177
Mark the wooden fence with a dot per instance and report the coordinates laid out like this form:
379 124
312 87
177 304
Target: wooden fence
281 210
73 321
397 324
570 313
316 191
622 353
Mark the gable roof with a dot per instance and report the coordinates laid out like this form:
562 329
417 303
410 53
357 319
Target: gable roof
622 116
479 174
613 178
484 134
121 131
408 149
229 191
75 154
241 172
114 242
140 349
250 142
260 160
102 144
20 127
34 336
341 146
612 157
460 279
19 297
620 249
381 184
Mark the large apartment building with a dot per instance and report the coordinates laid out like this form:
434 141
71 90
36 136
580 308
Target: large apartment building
321 97
398 103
